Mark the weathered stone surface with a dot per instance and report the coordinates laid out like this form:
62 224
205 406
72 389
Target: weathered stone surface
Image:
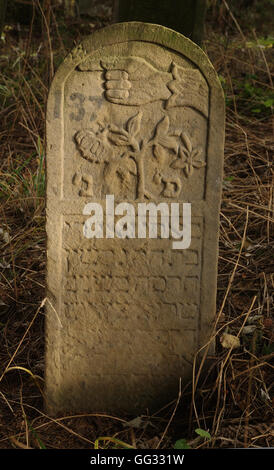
136 111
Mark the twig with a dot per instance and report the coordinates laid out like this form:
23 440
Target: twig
173 414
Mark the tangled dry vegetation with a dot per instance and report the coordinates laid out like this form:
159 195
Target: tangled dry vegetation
232 399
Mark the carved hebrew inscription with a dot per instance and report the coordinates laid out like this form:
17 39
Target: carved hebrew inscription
140 119
87 180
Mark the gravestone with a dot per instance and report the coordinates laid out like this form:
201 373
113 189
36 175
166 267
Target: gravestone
135 116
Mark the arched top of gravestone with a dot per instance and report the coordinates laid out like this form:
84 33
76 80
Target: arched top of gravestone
145 32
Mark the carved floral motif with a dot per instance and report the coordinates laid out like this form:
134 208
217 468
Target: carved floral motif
188 156
93 145
98 146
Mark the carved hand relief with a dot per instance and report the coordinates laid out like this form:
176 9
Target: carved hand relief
188 89
132 81
101 147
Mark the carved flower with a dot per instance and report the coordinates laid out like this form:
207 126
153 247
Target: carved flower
162 136
118 136
92 145
188 156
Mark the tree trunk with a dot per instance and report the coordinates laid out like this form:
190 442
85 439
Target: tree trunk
184 16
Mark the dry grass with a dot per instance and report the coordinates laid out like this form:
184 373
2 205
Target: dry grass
232 399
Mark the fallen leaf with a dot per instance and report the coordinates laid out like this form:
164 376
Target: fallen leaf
230 341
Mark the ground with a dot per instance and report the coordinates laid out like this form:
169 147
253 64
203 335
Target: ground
232 401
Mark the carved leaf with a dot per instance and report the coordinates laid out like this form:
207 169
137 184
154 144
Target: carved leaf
162 137
198 164
196 153
184 153
188 169
168 142
117 130
186 140
159 153
118 138
134 124
178 164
